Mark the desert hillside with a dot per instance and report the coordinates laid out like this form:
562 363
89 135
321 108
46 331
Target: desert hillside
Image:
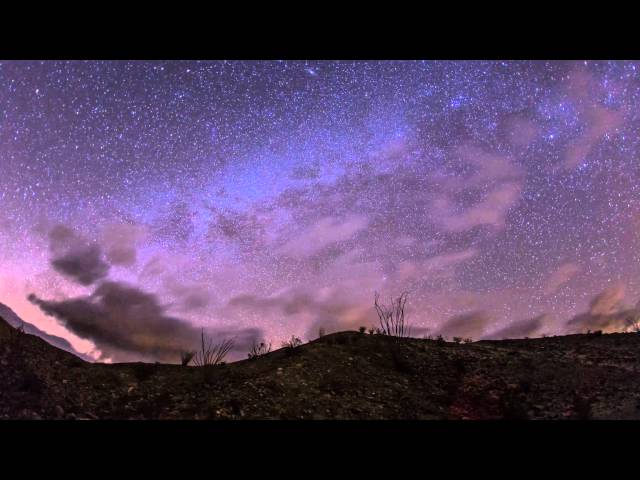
347 375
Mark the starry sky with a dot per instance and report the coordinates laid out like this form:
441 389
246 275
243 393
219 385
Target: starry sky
142 201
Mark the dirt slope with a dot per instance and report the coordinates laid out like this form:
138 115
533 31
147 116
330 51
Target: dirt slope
346 375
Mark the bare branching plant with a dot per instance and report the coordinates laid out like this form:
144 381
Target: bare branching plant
633 323
292 343
186 357
391 317
259 349
211 353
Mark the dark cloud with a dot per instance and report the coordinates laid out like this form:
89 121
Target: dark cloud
84 265
189 297
76 258
125 322
466 325
121 243
520 329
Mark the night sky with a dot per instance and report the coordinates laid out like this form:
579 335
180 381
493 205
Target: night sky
141 201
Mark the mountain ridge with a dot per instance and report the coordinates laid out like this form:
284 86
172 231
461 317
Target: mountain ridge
345 375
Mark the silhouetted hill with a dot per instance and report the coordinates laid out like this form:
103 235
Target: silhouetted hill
346 375
15 321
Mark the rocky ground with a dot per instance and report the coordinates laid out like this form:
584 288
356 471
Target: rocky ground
346 375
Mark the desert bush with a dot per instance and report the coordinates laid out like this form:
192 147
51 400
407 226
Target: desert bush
292 344
457 339
440 340
392 317
259 349
633 323
468 340
371 331
186 357
362 329
211 353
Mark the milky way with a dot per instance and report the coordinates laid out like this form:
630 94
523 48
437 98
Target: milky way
272 198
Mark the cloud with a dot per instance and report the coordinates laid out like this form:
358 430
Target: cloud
606 313
496 176
324 232
470 324
75 258
328 308
491 210
559 277
125 322
438 266
520 329
121 242
598 120
608 302
189 297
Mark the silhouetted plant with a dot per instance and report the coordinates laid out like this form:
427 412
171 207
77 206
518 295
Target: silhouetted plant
468 340
372 331
362 329
440 340
321 332
186 357
633 323
291 345
391 317
259 349
210 353
457 339
293 342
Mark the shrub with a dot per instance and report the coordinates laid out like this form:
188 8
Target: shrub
257 350
321 332
371 331
211 354
468 340
362 329
392 317
457 339
186 357
440 340
291 344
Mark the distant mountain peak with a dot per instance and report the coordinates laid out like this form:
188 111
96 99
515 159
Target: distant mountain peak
11 318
